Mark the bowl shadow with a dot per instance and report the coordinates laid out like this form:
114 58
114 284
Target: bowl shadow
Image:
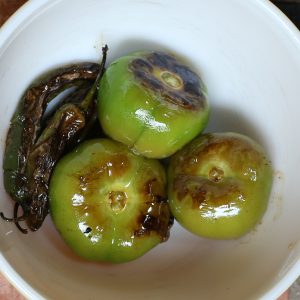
228 119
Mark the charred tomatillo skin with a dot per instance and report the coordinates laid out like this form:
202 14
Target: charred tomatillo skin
109 204
152 102
219 185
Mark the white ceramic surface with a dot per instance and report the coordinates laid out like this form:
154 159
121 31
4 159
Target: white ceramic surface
249 56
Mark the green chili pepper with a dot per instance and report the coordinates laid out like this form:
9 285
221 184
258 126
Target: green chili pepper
31 151
65 124
26 123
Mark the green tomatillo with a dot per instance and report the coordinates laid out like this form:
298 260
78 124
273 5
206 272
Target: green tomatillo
152 102
219 185
109 204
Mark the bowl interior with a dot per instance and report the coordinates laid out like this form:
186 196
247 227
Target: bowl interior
248 55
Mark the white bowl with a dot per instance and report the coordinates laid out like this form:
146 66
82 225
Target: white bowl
249 56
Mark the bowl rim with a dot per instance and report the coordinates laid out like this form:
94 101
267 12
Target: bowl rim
23 16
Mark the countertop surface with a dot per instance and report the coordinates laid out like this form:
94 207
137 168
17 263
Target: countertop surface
8 7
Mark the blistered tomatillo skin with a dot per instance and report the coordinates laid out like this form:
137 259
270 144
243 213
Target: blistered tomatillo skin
152 102
109 204
219 185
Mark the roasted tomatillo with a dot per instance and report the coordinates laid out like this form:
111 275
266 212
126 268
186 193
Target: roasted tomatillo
219 185
109 204
152 102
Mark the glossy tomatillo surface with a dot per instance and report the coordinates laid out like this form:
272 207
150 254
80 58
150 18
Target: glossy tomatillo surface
152 102
219 185
109 204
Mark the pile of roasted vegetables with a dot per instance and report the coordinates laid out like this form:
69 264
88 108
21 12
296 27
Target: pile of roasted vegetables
121 154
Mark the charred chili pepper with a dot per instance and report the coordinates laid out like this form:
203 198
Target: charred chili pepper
65 124
32 151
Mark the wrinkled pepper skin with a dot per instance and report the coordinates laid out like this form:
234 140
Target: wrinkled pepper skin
26 123
109 204
152 102
219 185
36 141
